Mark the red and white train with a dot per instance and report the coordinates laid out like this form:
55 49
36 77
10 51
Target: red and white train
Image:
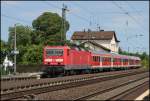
66 60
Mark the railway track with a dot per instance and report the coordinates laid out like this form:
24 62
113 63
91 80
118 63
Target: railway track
32 90
127 94
32 76
114 92
7 87
11 85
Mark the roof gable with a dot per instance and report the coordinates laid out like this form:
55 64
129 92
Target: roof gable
94 43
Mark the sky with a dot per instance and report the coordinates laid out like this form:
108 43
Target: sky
127 18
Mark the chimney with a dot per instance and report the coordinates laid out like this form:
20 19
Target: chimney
89 30
99 28
84 30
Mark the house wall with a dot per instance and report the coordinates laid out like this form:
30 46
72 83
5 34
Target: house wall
114 45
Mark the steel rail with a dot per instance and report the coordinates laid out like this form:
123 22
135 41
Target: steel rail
127 92
59 86
110 89
53 83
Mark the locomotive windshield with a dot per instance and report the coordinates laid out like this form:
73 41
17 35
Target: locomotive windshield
54 52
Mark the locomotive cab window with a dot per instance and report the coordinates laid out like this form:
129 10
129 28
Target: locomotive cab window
54 52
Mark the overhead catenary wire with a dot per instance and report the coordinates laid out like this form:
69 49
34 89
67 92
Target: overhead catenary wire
127 13
59 8
16 19
97 24
92 15
134 10
52 5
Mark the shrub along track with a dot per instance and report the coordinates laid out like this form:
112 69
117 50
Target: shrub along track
47 85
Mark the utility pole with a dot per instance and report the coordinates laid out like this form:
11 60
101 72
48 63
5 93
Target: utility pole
14 51
63 34
98 27
126 33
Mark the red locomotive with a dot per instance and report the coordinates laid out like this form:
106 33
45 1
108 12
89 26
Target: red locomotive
65 60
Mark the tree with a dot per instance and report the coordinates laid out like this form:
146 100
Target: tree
46 30
33 55
3 51
23 35
49 24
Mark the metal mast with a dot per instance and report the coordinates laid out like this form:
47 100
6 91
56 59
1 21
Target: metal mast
64 9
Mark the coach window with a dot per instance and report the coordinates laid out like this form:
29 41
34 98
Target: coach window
109 59
103 59
114 60
95 58
68 51
98 59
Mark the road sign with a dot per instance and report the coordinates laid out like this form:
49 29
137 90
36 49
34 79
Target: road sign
15 52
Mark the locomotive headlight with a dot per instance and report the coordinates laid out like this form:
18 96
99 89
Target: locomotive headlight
59 60
48 60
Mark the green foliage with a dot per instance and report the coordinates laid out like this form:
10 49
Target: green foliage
33 55
46 30
49 23
3 51
145 63
23 35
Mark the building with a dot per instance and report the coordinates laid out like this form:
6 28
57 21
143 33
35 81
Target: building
97 40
